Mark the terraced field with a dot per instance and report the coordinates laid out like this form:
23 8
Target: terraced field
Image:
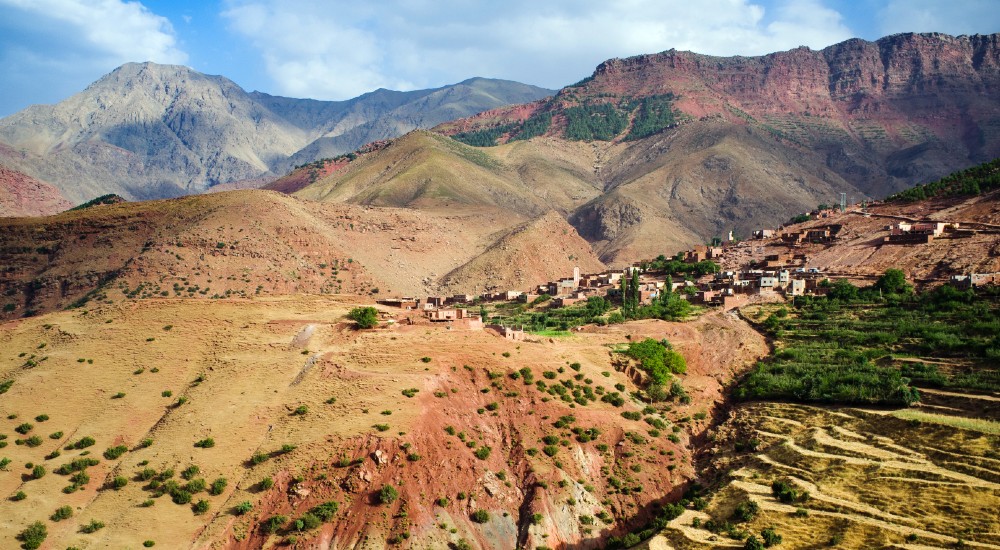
848 478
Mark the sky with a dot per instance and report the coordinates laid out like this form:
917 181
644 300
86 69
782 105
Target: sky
329 49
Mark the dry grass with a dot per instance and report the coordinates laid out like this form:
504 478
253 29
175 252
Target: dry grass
873 479
972 424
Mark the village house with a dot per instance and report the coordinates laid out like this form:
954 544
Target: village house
975 280
763 233
402 303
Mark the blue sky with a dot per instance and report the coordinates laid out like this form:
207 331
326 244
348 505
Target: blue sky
50 49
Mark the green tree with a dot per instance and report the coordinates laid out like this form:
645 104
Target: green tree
893 281
365 317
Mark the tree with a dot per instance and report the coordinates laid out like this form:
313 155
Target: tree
893 281
365 317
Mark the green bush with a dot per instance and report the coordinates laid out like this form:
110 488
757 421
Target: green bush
218 486
771 537
387 494
61 513
274 523
33 536
118 482
38 472
113 453
92 527
746 511
206 443
243 508
200 507
480 516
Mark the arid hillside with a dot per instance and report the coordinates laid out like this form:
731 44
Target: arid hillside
258 243
269 407
861 252
630 200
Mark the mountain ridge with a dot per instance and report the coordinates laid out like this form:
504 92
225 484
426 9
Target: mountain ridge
153 131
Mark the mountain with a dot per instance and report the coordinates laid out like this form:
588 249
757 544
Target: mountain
660 152
151 131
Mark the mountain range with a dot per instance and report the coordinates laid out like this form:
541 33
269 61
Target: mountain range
152 131
655 153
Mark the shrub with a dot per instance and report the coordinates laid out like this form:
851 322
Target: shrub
55 435
33 535
301 410
114 452
274 523
61 513
784 491
483 452
41 418
33 441
243 508
550 450
190 472
387 494
381 427
746 511
20 495
325 511
480 516
259 458
118 482
200 507
206 443
38 472
410 392
92 527
195 486
218 486
148 543
83 443
753 543
265 484
180 496
771 537
443 502
24 428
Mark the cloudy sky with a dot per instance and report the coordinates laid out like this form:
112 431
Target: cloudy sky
50 49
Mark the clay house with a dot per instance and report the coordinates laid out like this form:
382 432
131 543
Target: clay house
527 297
508 333
767 284
463 298
402 303
436 301
763 233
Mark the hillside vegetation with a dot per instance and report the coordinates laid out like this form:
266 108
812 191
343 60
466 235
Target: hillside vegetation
870 348
971 181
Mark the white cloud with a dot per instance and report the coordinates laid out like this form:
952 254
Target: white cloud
313 49
121 31
954 17
50 49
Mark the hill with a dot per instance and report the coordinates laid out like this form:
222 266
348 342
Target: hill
259 243
151 131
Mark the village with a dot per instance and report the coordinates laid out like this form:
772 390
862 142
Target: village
782 274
